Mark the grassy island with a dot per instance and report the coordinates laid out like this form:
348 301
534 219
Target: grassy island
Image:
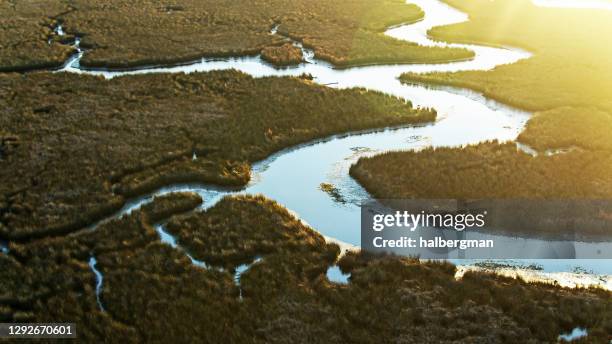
284 55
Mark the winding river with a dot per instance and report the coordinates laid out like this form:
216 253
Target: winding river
292 176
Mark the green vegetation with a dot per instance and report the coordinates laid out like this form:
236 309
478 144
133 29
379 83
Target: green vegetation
284 55
568 78
121 33
75 147
570 66
152 292
368 48
585 127
49 279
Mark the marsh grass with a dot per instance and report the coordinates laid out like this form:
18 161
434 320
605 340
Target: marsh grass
27 40
586 128
488 171
284 55
152 292
85 145
143 32
566 82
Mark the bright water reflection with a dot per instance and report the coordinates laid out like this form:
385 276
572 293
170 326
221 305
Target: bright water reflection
576 333
584 4
334 274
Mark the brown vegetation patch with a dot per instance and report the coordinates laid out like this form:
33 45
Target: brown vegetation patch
259 226
27 40
488 170
284 55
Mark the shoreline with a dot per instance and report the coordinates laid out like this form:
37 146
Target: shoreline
570 280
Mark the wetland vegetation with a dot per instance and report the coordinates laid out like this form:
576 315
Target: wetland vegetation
27 39
76 147
124 34
487 170
566 82
570 66
284 55
333 192
491 171
586 128
153 292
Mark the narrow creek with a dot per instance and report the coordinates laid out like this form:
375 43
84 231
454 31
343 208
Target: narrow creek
292 176
169 239
99 281
241 269
576 334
